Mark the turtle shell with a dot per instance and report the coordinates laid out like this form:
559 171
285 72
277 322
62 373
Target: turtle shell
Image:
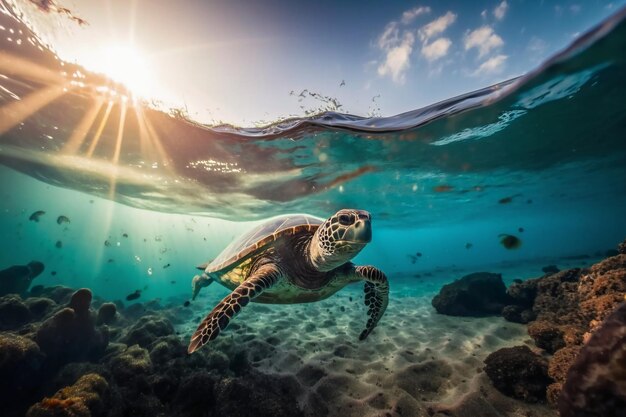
260 237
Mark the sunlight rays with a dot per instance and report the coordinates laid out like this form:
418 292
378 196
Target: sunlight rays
80 132
98 134
15 113
116 154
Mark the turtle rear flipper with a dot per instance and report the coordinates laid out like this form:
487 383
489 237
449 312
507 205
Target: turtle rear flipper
198 282
217 320
376 296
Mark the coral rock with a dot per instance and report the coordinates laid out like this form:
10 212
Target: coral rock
519 373
546 335
81 300
68 337
88 397
40 307
477 294
147 330
134 361
13 312
20 360
106 313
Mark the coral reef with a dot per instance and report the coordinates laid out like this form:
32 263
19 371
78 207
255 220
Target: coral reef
478 294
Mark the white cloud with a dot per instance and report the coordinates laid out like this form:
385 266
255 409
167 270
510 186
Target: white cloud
436 49
437 26
397 59
389 37
484 39
500 10
410 15
483 14
493 65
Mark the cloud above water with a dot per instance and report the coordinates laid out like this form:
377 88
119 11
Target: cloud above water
484 39
436 49
410 15
500 11
493 65
437 26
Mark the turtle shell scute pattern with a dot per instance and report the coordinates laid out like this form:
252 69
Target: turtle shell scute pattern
262 236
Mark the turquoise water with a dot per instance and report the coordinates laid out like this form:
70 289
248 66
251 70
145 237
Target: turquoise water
150 195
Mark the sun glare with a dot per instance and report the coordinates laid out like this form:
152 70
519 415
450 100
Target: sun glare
125 64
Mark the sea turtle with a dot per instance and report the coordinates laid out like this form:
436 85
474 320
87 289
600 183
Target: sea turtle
292 259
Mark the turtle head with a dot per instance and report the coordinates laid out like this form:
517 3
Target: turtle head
340 238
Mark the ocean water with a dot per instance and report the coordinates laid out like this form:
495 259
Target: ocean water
150 195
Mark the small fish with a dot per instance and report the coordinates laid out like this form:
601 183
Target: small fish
166 266
36 215
418 254
187 303
413 258
63 219
507 200
133 296
107 243
529 201
510 241
91 201
469 245
53 273
172 282
111 260
145 287
520 229
343 82
443 188
125 235
59 244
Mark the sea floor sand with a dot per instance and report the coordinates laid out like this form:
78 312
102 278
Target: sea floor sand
415 363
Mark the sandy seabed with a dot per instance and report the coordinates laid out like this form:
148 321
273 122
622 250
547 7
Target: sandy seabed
415 363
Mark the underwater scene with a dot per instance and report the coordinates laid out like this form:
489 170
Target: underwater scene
465 258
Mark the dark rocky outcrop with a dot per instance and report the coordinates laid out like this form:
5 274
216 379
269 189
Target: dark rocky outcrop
518 372
595 385
478 294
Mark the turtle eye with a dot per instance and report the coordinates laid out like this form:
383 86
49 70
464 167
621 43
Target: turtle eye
345 219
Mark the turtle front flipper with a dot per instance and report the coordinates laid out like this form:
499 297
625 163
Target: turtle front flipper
376 295
217 320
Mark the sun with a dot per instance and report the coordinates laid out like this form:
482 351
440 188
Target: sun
125 64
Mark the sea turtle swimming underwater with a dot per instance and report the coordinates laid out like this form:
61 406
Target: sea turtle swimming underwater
292 259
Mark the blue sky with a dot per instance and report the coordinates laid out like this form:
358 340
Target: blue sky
247 61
